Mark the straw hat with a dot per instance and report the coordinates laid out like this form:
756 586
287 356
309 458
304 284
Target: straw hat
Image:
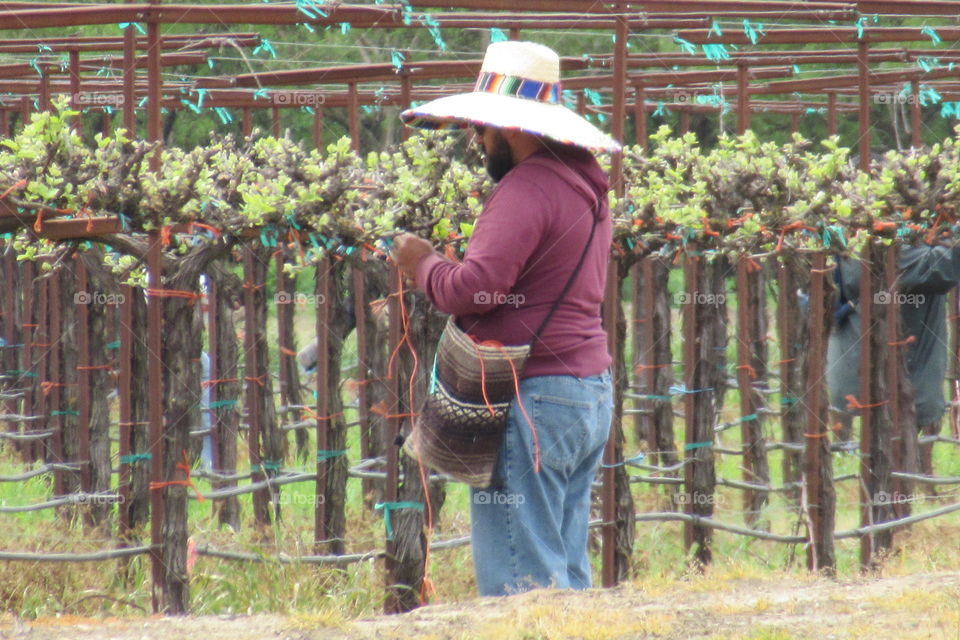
518 88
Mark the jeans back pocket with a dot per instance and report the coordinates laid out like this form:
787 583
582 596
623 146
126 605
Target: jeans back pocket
563 430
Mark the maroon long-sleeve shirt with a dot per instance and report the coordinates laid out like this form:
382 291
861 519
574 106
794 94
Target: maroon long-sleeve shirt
524 247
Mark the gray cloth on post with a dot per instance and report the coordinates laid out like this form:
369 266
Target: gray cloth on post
926 275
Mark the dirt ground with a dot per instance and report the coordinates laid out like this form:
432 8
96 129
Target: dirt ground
902 607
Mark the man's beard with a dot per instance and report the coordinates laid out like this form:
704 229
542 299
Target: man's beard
500 158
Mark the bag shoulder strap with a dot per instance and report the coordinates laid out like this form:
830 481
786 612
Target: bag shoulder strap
581 186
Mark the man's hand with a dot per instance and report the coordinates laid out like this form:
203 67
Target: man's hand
408 251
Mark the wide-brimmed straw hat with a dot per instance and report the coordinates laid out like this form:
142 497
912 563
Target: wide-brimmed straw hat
518 88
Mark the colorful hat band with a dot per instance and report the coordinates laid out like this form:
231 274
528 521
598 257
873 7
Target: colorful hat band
490 82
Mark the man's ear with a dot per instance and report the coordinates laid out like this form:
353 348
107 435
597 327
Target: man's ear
522 144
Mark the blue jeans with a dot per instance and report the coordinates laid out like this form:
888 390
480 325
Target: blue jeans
530 530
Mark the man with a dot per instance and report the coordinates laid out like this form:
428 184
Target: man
531 530
925 275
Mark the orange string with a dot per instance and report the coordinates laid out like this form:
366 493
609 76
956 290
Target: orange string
250 285
209 383
426 585
533 429
94 367
909 340
785 361
312 415
293 237
259 380
815 435
642 367
853 403
287 352
483 376
187 482
16 186
793 226
750 370
207 227
190 296
38 225
46 386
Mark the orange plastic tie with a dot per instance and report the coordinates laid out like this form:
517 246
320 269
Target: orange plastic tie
190 296
853 403
209 383
13 188
750 370
186 482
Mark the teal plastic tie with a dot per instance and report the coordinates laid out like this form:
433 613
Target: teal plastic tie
637 459
389 507
697 445
497 35
268 237
135 25
789 400
715 52
687 46
746 418
932 34
265 47
751 31
267 465
323 456
65 412
656 397
134 458
113 345
433 375
225 116
220 404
